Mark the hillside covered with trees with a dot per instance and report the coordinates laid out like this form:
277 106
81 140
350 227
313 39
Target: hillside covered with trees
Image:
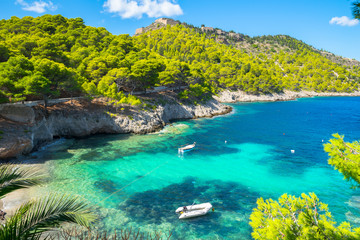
52 56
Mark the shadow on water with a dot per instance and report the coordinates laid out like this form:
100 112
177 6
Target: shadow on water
95 155
92 156
158 206
98 141
285 163
96 146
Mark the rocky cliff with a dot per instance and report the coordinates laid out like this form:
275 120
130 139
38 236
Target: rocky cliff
24 128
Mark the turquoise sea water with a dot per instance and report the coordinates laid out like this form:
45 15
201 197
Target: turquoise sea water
138 181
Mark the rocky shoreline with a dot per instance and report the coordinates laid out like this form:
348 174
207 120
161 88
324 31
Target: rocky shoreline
25 128
239 96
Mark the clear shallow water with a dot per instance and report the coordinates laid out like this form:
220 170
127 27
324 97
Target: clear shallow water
139 181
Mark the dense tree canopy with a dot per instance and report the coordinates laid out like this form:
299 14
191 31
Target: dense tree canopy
52 56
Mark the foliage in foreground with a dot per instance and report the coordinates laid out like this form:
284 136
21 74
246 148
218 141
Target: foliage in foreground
345 158
297 218
38 216
34 218
306 217
13 178
356 9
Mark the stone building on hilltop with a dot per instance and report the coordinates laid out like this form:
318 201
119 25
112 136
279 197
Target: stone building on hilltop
207 29
234 35
167 21
221 35
159 23
220 32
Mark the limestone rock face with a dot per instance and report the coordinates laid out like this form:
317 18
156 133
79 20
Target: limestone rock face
208 109
15 146
18 113
33 128
145 122
80 124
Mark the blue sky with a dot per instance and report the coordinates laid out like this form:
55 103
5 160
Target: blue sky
306 20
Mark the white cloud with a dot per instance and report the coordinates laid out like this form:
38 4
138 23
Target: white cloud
137 8
344 21
37 6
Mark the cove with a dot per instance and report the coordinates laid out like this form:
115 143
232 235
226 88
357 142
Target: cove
139 180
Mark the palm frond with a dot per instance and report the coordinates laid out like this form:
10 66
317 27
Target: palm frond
11 229
36 217
13 178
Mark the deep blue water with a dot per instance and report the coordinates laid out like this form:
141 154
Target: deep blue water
139 181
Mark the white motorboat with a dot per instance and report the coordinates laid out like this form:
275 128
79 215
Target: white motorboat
187 148
193 210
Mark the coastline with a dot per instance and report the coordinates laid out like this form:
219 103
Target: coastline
240 96
29 127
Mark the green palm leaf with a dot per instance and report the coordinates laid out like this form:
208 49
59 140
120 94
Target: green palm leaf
13 178
10 230
34 218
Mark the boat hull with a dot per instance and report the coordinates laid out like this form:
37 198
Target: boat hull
194 210
194 207
193 214
186 148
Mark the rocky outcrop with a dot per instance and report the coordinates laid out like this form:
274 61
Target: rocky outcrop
17 113
14 136
240 96
22 135
14 146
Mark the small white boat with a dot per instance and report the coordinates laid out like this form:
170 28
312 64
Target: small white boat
187 148
193 210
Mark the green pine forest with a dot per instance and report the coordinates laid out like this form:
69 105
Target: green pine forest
52 56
